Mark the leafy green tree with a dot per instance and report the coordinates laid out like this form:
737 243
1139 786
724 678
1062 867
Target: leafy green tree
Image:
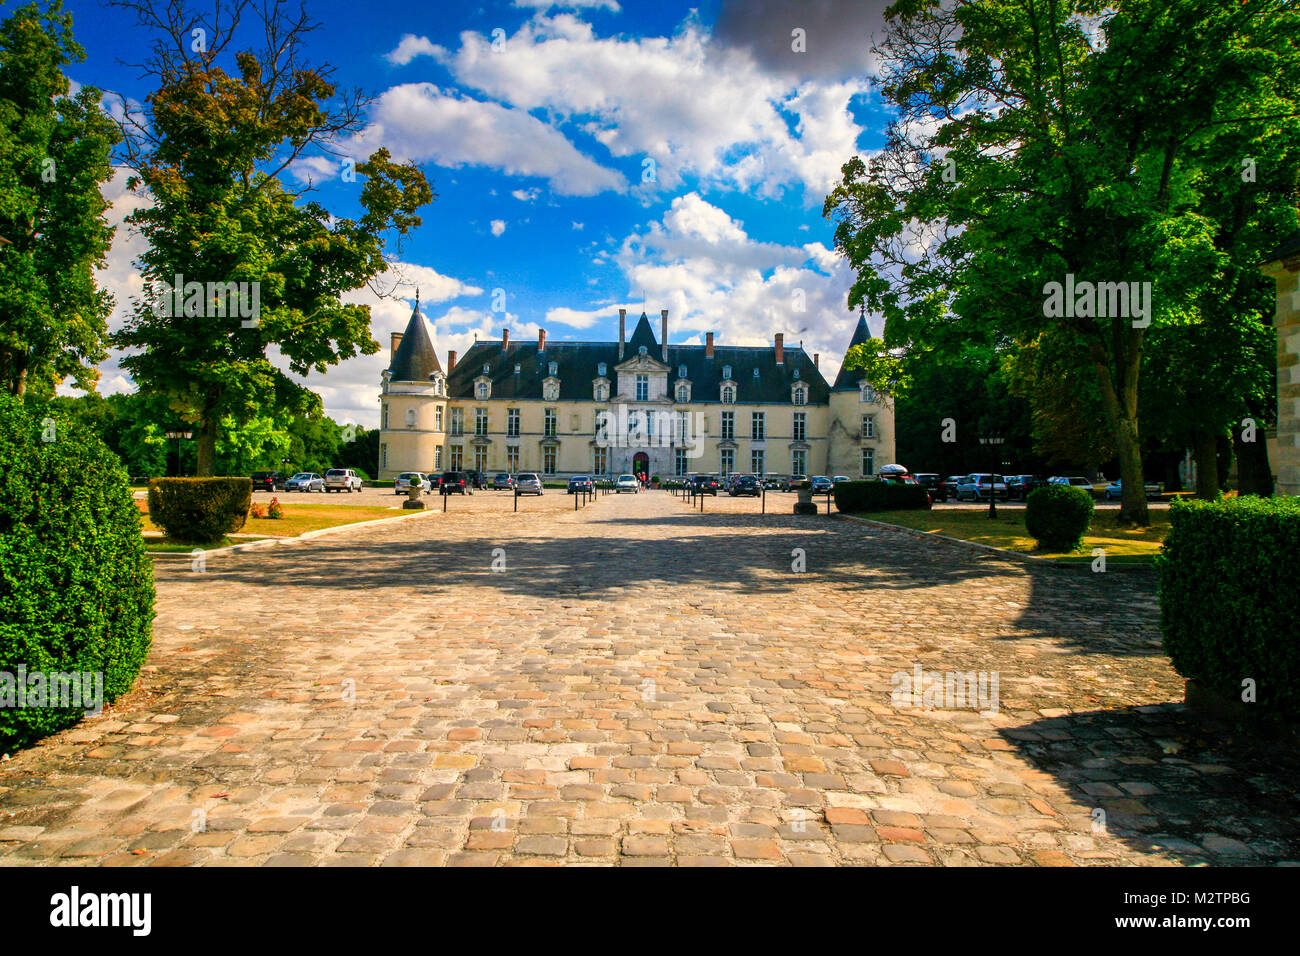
218 133
1048 143
54 155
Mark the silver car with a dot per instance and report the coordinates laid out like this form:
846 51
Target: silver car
527 483
305 481
503 482
402 483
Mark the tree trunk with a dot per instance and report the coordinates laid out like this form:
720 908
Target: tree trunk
1121 403
207 450
1254 472
1206 452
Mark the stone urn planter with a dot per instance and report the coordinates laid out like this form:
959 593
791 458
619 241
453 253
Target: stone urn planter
413 495
804 505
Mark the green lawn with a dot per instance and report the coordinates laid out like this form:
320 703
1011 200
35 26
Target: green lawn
297 520
1008 531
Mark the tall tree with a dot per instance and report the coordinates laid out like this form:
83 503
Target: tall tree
54 155
214 149
1046 146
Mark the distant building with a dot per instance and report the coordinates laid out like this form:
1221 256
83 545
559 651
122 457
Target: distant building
635 406
1284 266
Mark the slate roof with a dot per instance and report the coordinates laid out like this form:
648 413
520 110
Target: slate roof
577 367
848 380
415 359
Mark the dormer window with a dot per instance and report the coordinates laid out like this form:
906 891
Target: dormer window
755 373
726 371
551 389
868 393
601 392
518 368
641 350
799 395
482 390
681 371
553 368
683 392
601 369
487 369
728 394
796 373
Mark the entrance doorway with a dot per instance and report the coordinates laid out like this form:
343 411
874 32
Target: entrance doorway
641 465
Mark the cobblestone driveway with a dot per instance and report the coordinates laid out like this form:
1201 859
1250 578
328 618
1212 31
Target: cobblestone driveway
643 685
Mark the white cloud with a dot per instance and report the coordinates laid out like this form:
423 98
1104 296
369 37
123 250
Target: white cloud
541 5
526 195
498 226
411 47
577 226
691 107
418 121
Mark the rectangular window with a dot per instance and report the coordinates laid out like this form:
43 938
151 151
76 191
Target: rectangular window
868 462
550 422
548 460
437 419
512 458
480 459
728 426
437 458
868 426
800 426
728 461
798 465
681 461
512 422
383 456
598 461
758 426
457 422
643 388
800 397
385 411
480 421
683 429
756 461
457 457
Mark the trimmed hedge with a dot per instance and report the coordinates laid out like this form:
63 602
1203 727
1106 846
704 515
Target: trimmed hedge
1230 598
851 496
1058 516
76 584
199 510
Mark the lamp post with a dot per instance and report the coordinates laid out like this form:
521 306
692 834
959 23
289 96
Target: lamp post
993 440
178 435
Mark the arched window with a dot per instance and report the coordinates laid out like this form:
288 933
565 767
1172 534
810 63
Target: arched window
683 393
728 394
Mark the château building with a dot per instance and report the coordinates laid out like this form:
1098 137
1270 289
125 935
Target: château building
636 406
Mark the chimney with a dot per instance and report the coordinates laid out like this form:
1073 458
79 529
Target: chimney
708 345
815 358
622 331
541 340
780 348
505 339
394 342
663 333
451 361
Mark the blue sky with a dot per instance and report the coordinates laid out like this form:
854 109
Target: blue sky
587 156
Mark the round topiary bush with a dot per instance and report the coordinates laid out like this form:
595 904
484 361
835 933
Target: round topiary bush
76 585
1058 516
199 510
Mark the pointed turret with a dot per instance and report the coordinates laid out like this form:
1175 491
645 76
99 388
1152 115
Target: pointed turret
643 335
415 359
848 380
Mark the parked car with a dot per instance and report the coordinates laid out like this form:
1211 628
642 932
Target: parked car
794 481
979 486
1077 481
580 483
342 479
268 481
456 483
527 483
1019 486
821 484
745 485
503 482
402 483
773 482
476 479
704 485
933 484
305 481
950 484
838 478
1153 489
627 483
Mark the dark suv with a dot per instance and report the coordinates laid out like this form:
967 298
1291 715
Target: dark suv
455 483
476 479
934 484
268 481
1019 486
704 485
744 485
